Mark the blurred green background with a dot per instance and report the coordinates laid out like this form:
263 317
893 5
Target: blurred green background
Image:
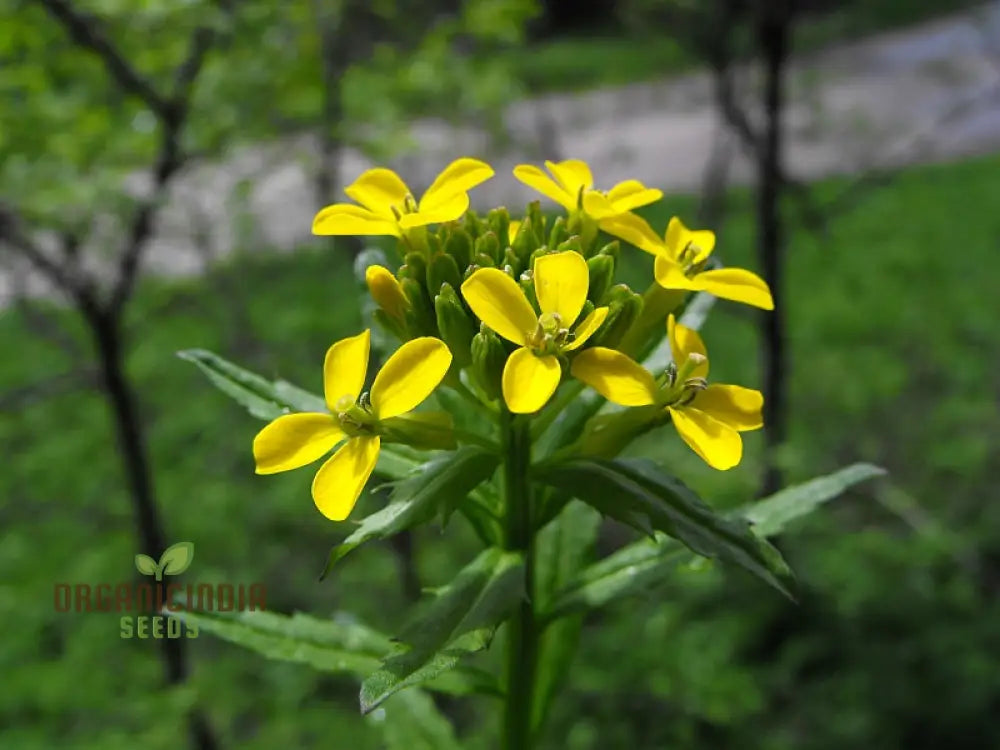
892 314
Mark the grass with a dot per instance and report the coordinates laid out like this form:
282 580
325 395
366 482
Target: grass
894 354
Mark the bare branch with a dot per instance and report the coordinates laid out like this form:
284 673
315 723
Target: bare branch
14 238
86 31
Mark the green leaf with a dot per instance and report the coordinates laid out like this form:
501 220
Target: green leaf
259 395
636 567
337 645
638 493
770 515
444 481
461 618
145 564
413 722
177 558
562 549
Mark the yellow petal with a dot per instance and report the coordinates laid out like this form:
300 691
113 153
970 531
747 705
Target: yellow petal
670 275
598 206
679 237
632 194
574 175
636 231
512 230
718 445
736 284
343 219
615 376
561 282
379 190
498 301
733 405
338 483
457 178
685 341
409 376
587 328
535 178
386 291
529 381
448 209
294 440
345 367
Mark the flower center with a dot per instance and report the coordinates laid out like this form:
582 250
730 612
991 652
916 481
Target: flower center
678 386
549 335
690 258
409 207
355 418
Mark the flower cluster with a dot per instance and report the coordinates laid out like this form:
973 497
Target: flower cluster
505 312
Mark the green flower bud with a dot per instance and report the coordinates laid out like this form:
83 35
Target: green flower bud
483 261
586 228
488 245
488 360
572 244
559 232
457 327
612 249
397 327
474 225
499 222
414 267
510 259
524 244
419 316
442 270
458 245
602 276
625 308
537 218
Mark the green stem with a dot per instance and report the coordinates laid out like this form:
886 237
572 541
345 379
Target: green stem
523 634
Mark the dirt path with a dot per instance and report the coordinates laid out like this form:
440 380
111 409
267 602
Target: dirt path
927 93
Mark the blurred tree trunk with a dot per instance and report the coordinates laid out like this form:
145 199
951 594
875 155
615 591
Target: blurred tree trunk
774 23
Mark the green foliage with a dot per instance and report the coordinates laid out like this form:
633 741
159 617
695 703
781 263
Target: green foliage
440 485
461 618
639 494
637 567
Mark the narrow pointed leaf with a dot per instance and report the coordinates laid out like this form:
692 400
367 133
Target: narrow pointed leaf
413 722
631 489
638 566
445 480
459 619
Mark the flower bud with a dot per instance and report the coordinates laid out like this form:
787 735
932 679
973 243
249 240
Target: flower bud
483 261
559 233
582 225
457 327
572 244
458 245
537 218
442 270
510 259
474 225
386 291
488 245
612 249
524 243
602 276
488 360
396 327
419 315
414 267
625 307
498 221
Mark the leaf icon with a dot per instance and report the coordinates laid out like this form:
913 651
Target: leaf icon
145 564
177 558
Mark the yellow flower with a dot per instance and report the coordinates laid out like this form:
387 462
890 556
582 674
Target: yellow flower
294 440
532 373
709 418
388 206
681 255
573 189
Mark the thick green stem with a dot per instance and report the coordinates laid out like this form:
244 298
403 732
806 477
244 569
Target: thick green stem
522 639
